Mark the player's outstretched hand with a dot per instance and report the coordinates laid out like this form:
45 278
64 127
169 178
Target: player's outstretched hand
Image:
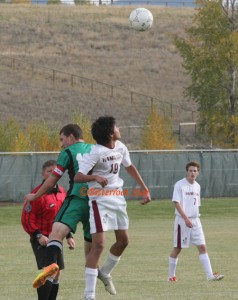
146 199
28 198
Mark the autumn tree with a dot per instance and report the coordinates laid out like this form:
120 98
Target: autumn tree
85 124
210 57
38 136
158 133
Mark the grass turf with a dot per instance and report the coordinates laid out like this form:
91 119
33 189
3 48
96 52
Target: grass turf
143 269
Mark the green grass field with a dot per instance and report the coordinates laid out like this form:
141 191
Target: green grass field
143 269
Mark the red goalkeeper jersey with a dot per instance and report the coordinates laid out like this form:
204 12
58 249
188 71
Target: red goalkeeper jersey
38 217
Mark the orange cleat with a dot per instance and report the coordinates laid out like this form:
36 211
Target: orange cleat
47 272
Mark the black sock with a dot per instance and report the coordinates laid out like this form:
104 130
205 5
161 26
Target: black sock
54 248
54 292
44 291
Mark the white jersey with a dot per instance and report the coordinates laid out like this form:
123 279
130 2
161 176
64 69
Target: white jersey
188 195
106 162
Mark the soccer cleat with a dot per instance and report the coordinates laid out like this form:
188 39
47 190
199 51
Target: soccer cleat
107 281
215 277
173 278
40 280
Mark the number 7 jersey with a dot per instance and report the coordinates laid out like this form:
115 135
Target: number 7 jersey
188 196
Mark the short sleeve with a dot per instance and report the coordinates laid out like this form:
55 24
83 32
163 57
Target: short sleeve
177 193
88 161
126 160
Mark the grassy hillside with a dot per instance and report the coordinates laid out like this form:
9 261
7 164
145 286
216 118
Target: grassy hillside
95 43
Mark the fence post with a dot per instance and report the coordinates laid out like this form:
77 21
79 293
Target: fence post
53 77
48 15
92 86
129 131
111 91
13 64
131 97
72 80
151 103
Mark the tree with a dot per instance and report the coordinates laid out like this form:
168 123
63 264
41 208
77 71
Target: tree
158 134
210 57
38 136
85 124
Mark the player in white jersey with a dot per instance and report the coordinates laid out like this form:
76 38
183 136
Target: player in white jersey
100 168
187 226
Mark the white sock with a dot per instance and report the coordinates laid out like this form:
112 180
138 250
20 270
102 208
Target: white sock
109 264
205 260
172 266
90 282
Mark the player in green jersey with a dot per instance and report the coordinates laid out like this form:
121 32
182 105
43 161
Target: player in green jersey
75 208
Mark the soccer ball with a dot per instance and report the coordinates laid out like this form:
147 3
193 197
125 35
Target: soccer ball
141 19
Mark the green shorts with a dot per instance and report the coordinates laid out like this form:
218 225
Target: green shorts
74 210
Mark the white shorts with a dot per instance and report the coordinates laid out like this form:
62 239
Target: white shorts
108 213
185 236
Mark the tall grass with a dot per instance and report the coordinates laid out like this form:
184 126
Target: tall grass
143 269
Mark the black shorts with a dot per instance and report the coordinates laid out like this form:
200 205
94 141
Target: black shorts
40 255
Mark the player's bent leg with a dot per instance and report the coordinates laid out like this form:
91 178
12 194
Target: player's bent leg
113 258
59 232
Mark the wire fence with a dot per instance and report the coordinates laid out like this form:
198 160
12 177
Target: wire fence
56 78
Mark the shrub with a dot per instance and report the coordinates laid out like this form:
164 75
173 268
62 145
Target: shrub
37 137
158 133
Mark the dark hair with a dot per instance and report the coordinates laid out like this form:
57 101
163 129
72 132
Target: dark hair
73 129
102 128
192 164
49 163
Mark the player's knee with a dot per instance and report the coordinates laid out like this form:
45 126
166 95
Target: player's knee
123 243
202 249
98 248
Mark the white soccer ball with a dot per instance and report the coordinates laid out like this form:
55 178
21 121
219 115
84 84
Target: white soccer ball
141 19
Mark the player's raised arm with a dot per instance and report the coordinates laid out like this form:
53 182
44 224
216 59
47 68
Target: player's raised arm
48 184
133 172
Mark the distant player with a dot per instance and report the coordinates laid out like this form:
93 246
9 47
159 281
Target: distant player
100 168
187 226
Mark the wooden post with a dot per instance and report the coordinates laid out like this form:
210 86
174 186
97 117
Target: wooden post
111 91
72 80
53 78
91 86
131 97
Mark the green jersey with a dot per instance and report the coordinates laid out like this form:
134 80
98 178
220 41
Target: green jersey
69 159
